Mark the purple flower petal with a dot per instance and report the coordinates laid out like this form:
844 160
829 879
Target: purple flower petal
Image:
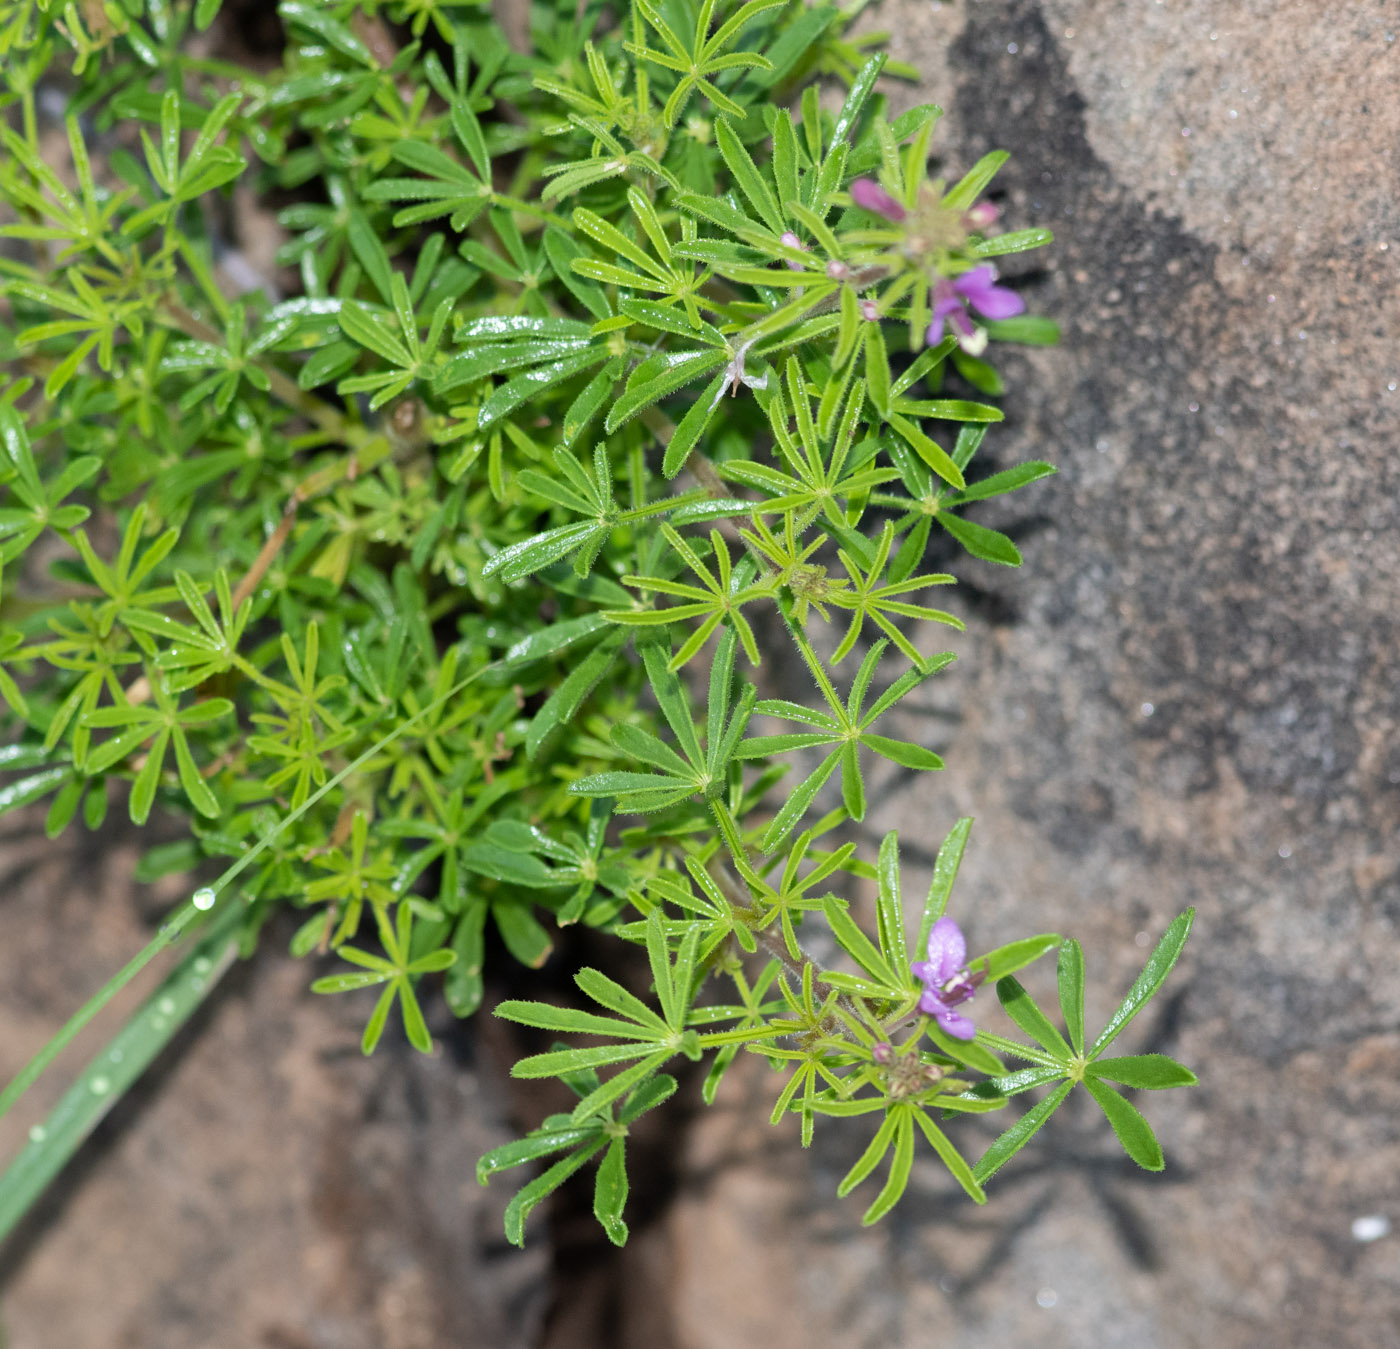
930 1002
792 241
956 1024
946 305
870 196
947 949
989 299
976 279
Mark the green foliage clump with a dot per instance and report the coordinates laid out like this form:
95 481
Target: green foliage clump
582 390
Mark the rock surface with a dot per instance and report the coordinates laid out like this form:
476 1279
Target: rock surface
264 1187
1187 696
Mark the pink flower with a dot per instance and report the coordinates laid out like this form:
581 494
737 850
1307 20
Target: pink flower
977 288
946 980
870 196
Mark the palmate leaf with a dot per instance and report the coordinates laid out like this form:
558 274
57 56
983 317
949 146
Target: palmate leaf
813 481
1057 1060
702 57
718 598
574 489
689 769
870 597
162 725
447 188
647 1039
399 972
896 1138
845 727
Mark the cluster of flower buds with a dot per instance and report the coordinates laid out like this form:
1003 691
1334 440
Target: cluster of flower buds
931 232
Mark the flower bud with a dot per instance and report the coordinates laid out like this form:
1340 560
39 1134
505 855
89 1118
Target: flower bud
792 241
978 217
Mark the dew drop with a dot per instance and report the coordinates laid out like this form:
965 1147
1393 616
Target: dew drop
1372 1227
100 1086
1143 939
1047 1297
38 1133
1193 407
1285 852
202 965
1147 709
166 1006
203 898
1012 48
1391 386
115 1056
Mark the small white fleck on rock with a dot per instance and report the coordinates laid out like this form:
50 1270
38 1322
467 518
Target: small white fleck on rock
1372 1227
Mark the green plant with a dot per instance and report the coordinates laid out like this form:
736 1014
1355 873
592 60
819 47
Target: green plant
608 364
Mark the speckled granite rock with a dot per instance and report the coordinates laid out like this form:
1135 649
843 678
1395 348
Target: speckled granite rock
1189 695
